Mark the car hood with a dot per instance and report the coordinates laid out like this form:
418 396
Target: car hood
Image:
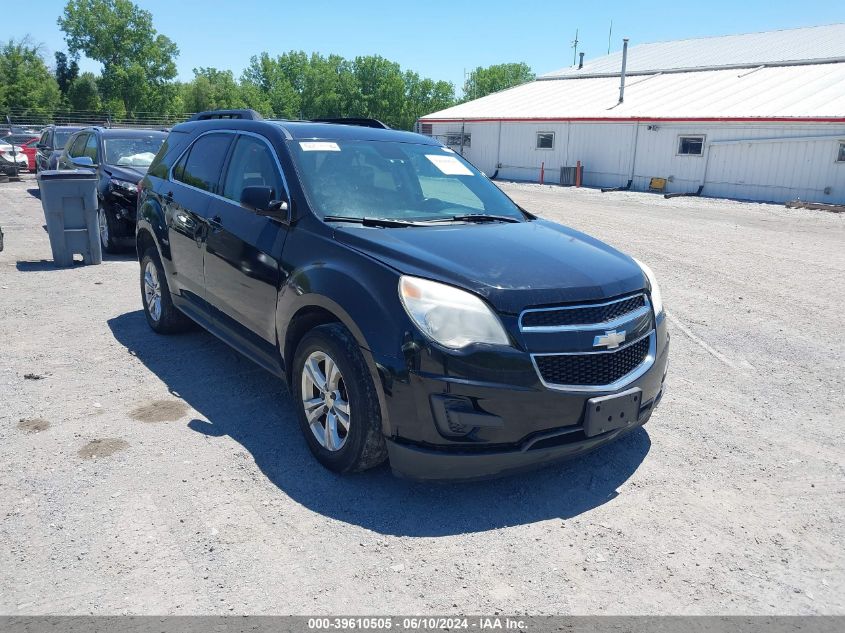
125 172
512 265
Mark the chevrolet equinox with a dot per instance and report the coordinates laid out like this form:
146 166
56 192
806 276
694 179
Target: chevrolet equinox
416 313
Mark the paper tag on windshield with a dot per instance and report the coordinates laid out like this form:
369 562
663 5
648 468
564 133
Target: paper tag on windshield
319 146
449 165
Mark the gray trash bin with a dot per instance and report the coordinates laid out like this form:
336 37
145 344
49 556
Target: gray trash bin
69 200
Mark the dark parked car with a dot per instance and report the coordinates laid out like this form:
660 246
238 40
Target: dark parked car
51 144
416 312
121 158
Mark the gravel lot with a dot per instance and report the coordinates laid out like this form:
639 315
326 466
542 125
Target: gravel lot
150 475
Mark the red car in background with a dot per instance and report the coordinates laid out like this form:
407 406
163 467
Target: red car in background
27 144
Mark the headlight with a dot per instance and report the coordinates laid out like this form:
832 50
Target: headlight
124 185
656 298
449 316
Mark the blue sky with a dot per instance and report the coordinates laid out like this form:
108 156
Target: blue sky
436 38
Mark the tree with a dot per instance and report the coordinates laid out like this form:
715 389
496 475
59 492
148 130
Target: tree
83 94
65 72
381 89
483 81
329 88
27 88
424 96
265 84
212 89
138 62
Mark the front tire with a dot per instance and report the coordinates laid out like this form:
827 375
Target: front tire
336 401
107 225
162 316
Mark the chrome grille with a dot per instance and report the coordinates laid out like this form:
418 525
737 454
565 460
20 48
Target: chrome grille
576 317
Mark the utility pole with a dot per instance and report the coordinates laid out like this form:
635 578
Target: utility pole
609 33
575 48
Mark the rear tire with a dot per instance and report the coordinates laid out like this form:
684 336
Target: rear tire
336 401
162 316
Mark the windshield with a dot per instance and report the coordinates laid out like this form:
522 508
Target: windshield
399 181
61 136
137 151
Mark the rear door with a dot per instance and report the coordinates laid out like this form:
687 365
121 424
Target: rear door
243 249
193 181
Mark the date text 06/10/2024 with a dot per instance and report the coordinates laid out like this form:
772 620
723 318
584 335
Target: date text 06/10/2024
415 623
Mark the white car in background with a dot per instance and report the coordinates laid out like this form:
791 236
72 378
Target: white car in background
9 157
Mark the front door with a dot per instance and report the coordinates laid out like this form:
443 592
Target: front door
243 249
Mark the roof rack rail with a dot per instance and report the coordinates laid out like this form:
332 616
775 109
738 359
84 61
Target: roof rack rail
249 115
359 121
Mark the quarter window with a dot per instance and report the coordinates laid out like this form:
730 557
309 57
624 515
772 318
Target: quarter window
690 145
545 140
201 168
91 148
252 165
78 146
841 156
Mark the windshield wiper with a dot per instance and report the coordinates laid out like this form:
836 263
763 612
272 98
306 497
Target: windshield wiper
482 217
385 222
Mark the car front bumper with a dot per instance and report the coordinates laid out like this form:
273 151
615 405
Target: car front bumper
414 462
520 427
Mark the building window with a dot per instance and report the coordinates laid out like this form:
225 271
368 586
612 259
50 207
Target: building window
425 128
454 139
545 140
690 145
841 156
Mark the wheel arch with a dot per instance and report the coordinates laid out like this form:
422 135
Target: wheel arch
152 225
359 307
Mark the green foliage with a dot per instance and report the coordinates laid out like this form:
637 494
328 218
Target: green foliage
294 85
66 71
27 88
211 89
483 81
83 94
138 63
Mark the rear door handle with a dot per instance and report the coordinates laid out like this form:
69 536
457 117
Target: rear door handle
216 223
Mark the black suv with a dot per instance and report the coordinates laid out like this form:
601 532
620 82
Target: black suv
120 157
50 145
415 311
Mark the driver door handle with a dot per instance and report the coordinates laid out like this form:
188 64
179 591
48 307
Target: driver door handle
216 223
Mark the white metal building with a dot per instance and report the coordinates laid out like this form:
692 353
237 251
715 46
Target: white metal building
759 116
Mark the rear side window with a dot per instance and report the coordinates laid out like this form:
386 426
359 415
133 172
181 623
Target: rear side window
252 165
201 166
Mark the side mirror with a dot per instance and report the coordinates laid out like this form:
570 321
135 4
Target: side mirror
260 200
82 161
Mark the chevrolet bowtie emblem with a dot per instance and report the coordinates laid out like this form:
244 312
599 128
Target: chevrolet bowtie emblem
610 340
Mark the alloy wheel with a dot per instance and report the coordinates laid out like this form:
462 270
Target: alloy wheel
152 291
326 401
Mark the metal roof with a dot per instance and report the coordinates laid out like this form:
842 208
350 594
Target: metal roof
746 50
743 87
815 91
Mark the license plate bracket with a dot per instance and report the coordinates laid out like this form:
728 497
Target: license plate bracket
616 411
